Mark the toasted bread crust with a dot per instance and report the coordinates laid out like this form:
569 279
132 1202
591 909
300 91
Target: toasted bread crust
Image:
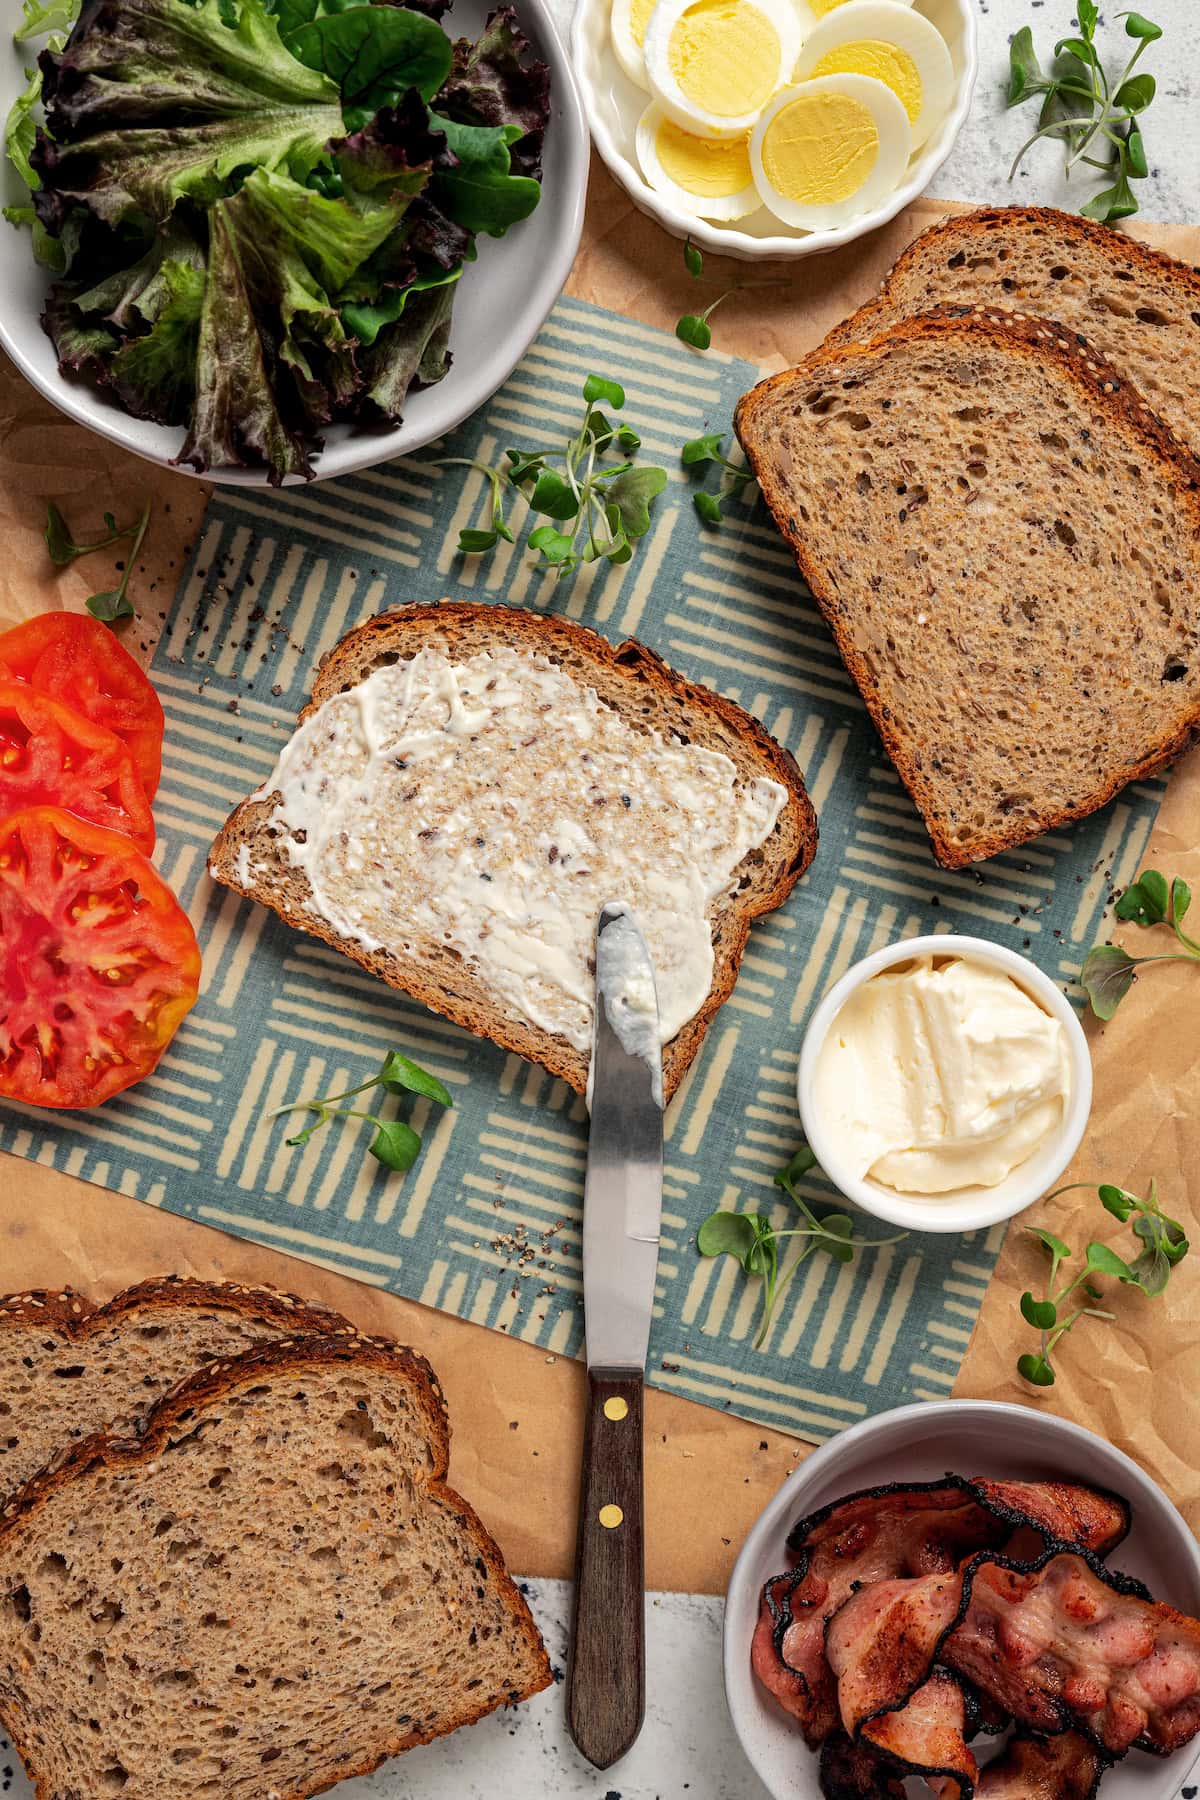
78 1316
1069 356
214 1383
968 229
404 630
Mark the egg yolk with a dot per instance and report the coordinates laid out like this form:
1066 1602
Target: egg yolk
639 18
820 148
725 55
885 62
708 168
821 7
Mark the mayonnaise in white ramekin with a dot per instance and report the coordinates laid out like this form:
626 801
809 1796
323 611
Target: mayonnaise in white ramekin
941 1073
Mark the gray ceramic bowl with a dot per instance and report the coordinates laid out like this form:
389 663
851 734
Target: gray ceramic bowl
503 298
919 1443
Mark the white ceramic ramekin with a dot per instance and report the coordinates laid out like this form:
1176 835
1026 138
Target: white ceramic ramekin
962 1209
614 104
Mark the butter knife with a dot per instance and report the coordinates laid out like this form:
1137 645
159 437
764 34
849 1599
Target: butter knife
622 1210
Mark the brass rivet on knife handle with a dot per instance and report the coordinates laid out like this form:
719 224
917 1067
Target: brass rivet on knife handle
606 1679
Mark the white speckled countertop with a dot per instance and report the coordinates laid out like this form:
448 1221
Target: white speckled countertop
687 1747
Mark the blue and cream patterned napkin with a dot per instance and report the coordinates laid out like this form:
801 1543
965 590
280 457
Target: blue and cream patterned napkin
486 1226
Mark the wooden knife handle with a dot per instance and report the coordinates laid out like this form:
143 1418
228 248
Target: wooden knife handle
606 1685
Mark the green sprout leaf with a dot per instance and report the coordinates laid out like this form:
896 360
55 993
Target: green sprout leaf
395 1144
112 604
702 450
1181 899
400 1075
1036 1370
553 496
1024 71
1107 975
473 541
1089 13
801 1164
598 387
1042 1313
693 261
709 508
1117 1202
1049 1242
1135 94
730 1234
1137 26
1103 1261
693 330
631 494
554 546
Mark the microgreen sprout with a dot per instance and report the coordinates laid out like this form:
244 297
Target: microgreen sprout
1109 972
1086 110
735 477
754 1242
694 329
112 603
599 509
1162 1243
394 1143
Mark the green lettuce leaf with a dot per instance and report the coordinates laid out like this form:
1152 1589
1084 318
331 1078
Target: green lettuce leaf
53 15
20 128
170 102
475 185
274 361
366 319
413 351
154 375
82 346
394 154
493 82
375 54
132 297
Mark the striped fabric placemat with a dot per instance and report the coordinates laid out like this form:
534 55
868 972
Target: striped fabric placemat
486 1226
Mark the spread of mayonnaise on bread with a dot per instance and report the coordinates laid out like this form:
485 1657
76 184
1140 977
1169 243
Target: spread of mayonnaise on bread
490 808
942 1074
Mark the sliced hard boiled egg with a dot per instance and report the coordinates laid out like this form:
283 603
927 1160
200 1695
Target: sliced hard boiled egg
627 28
897 46
710 177
812 10
714 64
827 150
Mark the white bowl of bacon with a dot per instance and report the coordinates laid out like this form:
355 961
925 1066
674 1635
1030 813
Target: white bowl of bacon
892 1630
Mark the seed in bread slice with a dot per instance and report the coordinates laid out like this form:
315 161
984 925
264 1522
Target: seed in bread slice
69 1368
1137 306
648 697
273 1590
1004 542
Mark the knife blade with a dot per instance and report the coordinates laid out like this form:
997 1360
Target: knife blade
622 1210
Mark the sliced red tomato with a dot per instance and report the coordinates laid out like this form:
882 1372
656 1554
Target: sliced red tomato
78 661
98 961
51 755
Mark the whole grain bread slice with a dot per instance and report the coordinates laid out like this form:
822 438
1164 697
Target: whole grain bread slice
69 1368
272 1590
1137 306
650 696
1004 541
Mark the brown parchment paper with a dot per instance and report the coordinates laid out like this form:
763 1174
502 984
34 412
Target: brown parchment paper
516 1411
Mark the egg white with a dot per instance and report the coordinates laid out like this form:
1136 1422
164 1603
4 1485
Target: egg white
716 206
890 22
671 97
894 147
627 50
813 11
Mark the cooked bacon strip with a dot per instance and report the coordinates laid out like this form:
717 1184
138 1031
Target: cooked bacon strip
856 1772
913 1529
1031 1768
1058 1510
788 1685
928 1736
1070 1641
1058 1643
883 1642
